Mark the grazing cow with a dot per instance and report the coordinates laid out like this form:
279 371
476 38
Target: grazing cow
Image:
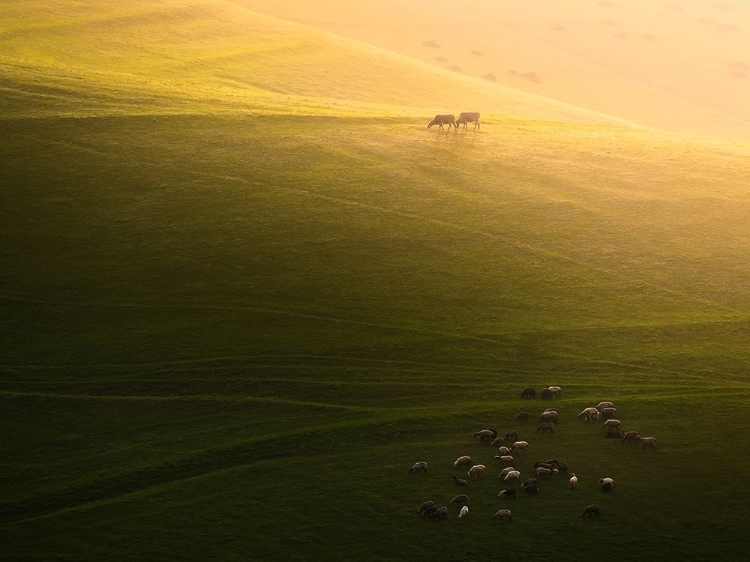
441 120
592 511
470 117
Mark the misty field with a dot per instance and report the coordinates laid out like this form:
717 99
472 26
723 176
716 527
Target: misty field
238 306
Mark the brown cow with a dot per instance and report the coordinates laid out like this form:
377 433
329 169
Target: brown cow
441 120
470 117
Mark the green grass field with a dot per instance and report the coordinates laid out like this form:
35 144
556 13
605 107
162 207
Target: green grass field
231 324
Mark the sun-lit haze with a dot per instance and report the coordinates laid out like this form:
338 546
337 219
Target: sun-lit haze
680 65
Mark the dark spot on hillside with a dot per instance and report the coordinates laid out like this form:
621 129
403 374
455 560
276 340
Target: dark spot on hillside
557 27
440 59
456 68
728 27
738 64
531 76
673 6
478 53
620 35
491 77
431 43
649 37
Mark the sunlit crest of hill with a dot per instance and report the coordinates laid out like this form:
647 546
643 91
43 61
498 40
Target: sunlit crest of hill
682 65
212 56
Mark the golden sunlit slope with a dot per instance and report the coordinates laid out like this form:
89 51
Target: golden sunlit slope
59 57
680 65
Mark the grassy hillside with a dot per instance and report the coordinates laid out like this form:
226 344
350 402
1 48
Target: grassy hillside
681 66
228 335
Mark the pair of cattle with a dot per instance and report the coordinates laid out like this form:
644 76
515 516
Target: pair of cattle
450 120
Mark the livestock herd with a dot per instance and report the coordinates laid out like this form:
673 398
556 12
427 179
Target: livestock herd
450 120
509 446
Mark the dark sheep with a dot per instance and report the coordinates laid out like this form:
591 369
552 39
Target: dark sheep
440 513
545 394
426 505
608 413
528 393
509 494
522 417
428 512
459 481
592 510
511 435
546 427
531 490
630 437
616 434
461 498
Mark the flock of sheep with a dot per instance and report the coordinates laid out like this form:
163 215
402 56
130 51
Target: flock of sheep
511 445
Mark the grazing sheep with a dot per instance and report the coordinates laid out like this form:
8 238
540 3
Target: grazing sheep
504 472
606 484
461 498
616 434
649 443
530 482
510 494
556 391
546 427
561 466
512 475
503 450
520 445
463 461
505 459
542 471
588 414
429 511
531 489
601 405
497 441
425 505
546 464
612 424
464 512
503 514
522 416
511 435
608 413
485 435
574 481
477 470
528 393
459 481
550 416
630 436
545 394
419 467
592 510
442 513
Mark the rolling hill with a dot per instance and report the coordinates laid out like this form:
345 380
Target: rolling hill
244 289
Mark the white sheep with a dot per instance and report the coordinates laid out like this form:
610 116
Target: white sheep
505 459
556 390
504 450
512 475
612 424
647 442
477 470
504 472
543 471
573 480
463 461
520 445
588 413
606 484
464 511
419 467
601 405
